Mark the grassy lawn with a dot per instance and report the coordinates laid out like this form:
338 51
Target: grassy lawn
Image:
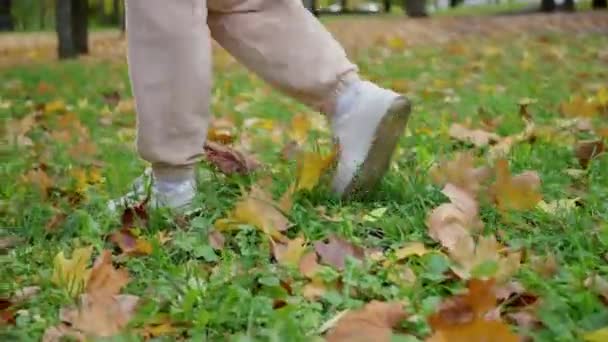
57 176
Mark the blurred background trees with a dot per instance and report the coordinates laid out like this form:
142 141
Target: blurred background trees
71 19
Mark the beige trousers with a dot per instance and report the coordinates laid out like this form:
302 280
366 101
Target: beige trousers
170 66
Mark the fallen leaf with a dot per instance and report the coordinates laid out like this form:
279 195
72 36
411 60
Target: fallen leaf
559 207
335 251
461 173
221 130
578 106
520 192
25 293
468 258
104 279
258 209
310 168
130 244
39 178
598 285
289 253
373 322
95 316
216 240
600 335
314 290
309 265
575 173
586 150
72 274
503 147
229 160
300 125
9 242
470 317
55 106
407 250
453 223
477 137
544 265
135 216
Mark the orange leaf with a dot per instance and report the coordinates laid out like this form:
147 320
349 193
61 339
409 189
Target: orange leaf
461 173
104 279
520 192
336 250
373 322
130 244
477 137
578 106
470 317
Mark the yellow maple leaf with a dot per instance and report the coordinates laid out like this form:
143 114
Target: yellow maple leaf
520 192
258 209
310 168
290 253
300 125
54 107
578 106
600 335
72 274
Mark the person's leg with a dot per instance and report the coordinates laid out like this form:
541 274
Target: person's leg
288 47
170 68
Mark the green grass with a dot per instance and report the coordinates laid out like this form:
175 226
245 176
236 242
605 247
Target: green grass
204 295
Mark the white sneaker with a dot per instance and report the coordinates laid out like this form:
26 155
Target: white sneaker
174 195
368 123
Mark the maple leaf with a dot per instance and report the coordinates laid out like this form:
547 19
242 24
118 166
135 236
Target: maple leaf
289 253
39 178
72 274
520 192
336 250
600 335
502 148
104 279
101 311
578 106
546 266
451 223
470 317
300 125
598 285
477 137
310 168
221 130
229 160
461 173
258 209
587 150
374 322
469 257
405 251
130 244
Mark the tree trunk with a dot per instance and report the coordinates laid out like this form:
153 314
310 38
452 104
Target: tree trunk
344 4
116 12
596 4
387 6
63 24
547 5
569 5
415 8
6 18
80 25
454 3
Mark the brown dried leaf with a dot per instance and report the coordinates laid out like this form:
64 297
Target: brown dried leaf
546 266
586 150
130 244
520 192
468 257
289 253
477 137
470 317
452 223
336 250
461 173
578 106
373 322
309 265
104 279
96 316
598 285
229 160
216 239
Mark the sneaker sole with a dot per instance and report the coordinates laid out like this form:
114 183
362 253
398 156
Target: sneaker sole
386 137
